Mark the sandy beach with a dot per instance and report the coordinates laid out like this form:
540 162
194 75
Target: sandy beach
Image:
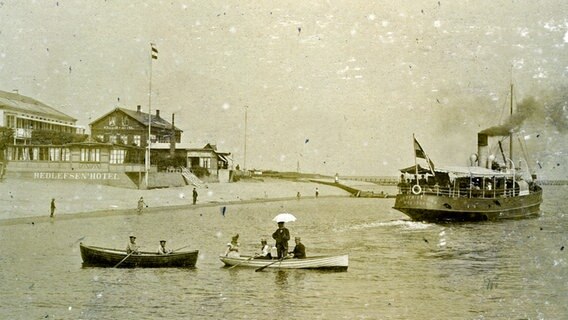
24 201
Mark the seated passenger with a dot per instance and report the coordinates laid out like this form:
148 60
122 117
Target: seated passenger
162 248
299 250
233 247
265 251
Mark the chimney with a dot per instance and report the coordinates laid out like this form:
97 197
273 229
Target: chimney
138 108
157 113
482 150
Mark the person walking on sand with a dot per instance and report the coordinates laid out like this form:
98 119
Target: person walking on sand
141 204
194 196
281 235
317 193
52 207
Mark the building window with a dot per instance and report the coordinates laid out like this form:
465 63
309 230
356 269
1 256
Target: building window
112 139
101 137
111 121
90 155
124 120
205 163
117 156
124 139
137 140
10 122
65 154
54 154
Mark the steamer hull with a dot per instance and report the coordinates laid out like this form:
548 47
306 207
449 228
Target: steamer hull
443 208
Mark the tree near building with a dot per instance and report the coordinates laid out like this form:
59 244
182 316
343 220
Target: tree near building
56 137
6 138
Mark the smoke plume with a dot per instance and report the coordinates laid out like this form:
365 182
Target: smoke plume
525 109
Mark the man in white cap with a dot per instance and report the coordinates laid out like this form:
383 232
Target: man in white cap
132 247
162 248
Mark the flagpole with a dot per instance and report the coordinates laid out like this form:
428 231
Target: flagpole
149 141
415 161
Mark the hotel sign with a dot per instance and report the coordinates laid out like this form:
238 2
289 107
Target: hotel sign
75 176
119 128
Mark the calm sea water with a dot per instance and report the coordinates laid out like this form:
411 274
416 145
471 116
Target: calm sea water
398 269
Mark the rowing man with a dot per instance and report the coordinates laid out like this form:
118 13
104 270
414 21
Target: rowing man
132 247
162 249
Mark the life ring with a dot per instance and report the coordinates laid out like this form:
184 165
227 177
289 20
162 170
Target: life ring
416 189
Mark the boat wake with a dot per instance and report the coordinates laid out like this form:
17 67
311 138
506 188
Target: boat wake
403 224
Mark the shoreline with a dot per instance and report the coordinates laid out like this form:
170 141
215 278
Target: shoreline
28 201
149 210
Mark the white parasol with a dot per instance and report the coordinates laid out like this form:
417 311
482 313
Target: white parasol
284 217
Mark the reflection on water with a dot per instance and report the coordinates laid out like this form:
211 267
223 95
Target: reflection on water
399 269
281 279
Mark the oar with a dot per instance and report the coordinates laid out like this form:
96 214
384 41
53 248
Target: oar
268 265
121 261
238 264
178 249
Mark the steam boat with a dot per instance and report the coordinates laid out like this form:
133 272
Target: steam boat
485 190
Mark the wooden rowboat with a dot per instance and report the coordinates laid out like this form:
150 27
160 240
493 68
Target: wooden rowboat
338 263
105 257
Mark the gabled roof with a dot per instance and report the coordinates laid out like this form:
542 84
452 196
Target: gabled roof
18 102
142 117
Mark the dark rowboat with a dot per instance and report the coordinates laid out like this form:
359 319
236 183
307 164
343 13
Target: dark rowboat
105 257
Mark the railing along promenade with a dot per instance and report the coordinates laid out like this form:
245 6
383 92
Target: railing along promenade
380 180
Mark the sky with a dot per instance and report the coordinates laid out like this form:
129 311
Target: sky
325 86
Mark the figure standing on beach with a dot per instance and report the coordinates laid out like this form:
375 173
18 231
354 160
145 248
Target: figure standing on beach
336 178
52 207
317 192
141 204
281 235
194 196
298 195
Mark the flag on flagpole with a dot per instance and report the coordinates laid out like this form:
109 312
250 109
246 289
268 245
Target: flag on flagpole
154 51
419 153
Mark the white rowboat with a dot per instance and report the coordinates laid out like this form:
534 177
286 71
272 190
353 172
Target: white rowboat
339 263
